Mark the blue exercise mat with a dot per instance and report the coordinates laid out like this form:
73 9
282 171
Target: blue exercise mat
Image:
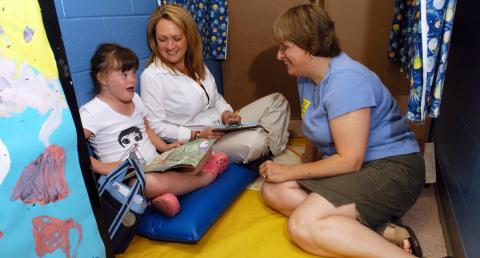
199 209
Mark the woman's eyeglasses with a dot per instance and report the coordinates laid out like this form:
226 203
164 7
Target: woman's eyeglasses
283 47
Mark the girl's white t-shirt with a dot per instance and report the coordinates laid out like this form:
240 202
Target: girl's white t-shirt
115 136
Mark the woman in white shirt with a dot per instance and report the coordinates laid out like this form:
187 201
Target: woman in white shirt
182 98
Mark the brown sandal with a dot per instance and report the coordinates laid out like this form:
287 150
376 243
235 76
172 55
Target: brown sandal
401 233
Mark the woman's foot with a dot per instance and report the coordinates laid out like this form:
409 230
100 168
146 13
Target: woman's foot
404 237
216 164
167 204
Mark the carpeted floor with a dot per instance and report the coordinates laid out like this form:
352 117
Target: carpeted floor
423 218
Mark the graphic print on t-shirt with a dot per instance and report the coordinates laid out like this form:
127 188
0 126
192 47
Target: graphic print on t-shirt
130 139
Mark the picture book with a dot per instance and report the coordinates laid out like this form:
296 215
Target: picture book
190 156
235 127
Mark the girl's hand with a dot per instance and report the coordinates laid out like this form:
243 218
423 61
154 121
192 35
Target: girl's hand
230 117
274 172
174 144
209 134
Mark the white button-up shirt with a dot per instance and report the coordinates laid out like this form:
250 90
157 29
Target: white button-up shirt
177 104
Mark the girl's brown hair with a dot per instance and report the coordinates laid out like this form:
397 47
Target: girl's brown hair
310 28
111 57
184 21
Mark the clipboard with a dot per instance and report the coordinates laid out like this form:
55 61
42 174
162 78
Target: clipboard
235 127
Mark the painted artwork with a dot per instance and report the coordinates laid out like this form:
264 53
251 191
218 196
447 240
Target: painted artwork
44 201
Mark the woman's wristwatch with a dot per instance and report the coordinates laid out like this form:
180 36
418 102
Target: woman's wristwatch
196 135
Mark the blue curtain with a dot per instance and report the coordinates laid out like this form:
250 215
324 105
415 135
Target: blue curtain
211 17
419 39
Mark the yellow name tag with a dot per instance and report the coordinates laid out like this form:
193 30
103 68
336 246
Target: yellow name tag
305 105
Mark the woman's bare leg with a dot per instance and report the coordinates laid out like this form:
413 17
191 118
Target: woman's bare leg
283 197
320 228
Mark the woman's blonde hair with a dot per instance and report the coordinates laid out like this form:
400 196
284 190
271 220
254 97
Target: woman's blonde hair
310 28
184 21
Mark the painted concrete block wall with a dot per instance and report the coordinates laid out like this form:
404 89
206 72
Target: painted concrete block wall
87 23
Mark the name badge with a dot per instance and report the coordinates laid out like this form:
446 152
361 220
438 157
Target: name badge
305 105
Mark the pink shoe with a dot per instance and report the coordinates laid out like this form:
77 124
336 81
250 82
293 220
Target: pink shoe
216 164
166 203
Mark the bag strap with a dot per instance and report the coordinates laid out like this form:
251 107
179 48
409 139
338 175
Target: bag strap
105 180
138 173
137 188
117 221
119 172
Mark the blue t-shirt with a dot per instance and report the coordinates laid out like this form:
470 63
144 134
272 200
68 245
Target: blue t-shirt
346 87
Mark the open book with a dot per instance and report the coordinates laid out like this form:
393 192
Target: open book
235 127
190 156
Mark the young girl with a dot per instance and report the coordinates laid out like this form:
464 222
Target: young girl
114 123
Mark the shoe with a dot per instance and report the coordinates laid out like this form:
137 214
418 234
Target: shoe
167 204
216 164
405 232
255 164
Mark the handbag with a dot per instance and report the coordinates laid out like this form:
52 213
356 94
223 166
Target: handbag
122 205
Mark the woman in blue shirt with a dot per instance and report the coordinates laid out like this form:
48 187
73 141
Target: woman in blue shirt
371 171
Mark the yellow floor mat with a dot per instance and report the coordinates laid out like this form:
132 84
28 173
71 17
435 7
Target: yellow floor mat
248 229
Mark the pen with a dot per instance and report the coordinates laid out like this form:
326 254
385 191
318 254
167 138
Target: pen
234 114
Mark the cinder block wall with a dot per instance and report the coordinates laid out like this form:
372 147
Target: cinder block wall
87 23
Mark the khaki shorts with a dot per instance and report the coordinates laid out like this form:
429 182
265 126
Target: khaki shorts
383 189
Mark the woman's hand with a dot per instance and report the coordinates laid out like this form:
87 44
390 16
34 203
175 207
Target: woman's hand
274 172
174 144
209 134
230 117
